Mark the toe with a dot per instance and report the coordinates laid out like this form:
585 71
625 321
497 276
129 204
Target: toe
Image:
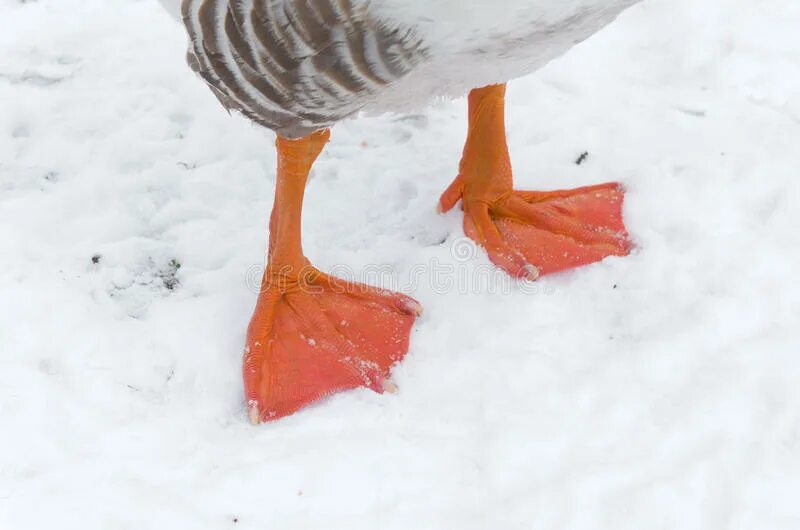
398 301
451 195
598 208
481 228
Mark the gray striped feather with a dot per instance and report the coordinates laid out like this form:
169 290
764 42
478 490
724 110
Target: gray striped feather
296 66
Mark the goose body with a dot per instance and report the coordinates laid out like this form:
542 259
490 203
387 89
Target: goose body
296 66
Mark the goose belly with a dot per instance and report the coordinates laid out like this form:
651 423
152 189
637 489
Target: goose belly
476 43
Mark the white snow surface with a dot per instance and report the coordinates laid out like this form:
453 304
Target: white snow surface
657 391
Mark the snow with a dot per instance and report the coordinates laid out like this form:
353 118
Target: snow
656 391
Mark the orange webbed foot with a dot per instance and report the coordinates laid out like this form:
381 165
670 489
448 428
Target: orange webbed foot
528 233
531 233
309 339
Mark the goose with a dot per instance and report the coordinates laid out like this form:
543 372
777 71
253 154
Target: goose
298 67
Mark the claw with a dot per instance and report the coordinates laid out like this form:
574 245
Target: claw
533 273
253 413
413 307
390 387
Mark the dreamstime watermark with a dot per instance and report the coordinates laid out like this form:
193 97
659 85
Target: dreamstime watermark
468 272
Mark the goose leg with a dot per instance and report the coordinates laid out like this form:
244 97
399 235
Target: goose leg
312 335
528 233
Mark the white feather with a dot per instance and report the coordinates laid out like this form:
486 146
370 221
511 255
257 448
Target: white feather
474 43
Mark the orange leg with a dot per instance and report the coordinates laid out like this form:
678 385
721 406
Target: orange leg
528 233
312 335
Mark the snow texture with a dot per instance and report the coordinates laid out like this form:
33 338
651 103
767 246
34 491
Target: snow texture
657 391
